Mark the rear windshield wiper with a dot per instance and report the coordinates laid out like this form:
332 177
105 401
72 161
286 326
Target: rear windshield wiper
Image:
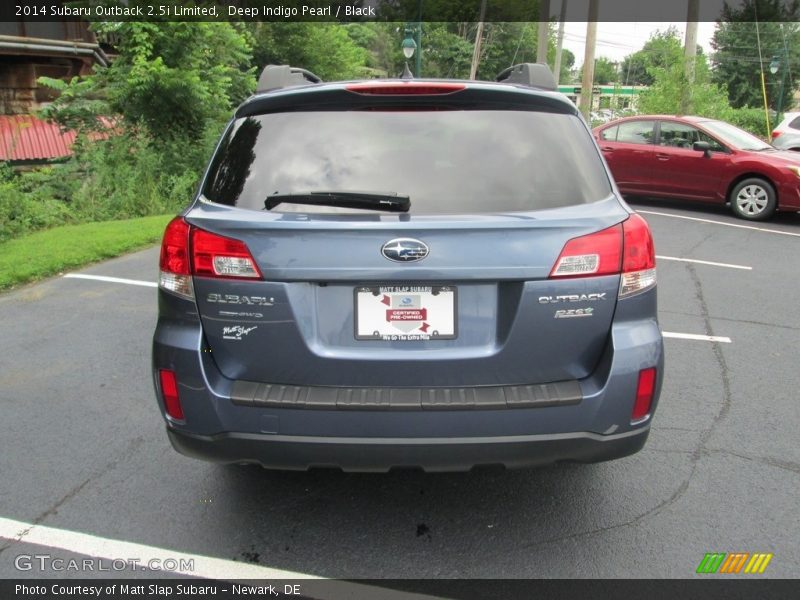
389 201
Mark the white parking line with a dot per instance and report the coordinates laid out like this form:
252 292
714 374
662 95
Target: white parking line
694 336
111 279
704 262
204 566
91 545
764 229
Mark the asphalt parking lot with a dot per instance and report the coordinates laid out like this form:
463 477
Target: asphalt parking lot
88 470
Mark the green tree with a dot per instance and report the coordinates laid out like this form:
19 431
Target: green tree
605 71
175 79
659 51
323 48
736 58
663 96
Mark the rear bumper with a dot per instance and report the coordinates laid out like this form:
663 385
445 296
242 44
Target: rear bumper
430 454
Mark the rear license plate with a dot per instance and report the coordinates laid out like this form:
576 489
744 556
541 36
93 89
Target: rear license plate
405 312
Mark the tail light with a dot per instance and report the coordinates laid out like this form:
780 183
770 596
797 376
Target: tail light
645 390
776 134
217 256
638 258
625 249
169 393
594 254
176 273
187 250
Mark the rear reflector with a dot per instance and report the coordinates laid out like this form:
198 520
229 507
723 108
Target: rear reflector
644 394
217 256
169 392
174 264
405 88
594 254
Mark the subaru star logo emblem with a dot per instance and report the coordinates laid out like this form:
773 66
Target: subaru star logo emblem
404 250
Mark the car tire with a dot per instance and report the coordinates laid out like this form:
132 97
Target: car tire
753 199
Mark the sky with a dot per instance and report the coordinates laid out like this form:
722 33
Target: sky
616 40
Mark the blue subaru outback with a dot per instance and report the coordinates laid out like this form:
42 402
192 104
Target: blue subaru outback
407 273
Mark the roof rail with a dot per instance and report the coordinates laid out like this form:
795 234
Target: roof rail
536 75
275 77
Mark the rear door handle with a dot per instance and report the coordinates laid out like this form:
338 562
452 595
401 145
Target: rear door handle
607 149
662 156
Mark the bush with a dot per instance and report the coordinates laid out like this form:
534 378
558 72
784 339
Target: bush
21 212
748 118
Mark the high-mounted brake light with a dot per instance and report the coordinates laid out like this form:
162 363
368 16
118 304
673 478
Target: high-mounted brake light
405 88
626 249
169 392
645 389
594 254
174 264
218 256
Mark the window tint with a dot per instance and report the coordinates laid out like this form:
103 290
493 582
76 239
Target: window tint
680 135
449 161
633 132
795 123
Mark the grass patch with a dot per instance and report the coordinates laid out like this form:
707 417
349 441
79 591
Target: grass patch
46 253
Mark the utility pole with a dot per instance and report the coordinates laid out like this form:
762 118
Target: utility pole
560 41
544 29
476 49
689 56
587 80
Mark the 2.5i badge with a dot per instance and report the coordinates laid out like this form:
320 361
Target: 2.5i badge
571 313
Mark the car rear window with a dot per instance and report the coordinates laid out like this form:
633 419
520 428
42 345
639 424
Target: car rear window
446 161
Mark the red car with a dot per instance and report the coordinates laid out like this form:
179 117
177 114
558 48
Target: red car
694 158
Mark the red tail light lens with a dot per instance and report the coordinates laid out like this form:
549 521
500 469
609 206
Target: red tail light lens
776 134
644 394
594 254
218 256
175 248
626 248
638 257
169 392
405 88
175 276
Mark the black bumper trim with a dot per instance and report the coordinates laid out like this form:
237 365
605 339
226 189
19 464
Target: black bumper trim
429 454
560 393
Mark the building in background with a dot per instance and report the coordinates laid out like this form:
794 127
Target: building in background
29 50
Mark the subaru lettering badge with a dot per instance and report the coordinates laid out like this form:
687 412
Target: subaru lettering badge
404 250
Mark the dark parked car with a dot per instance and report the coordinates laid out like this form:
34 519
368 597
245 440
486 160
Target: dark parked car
692 158
407 273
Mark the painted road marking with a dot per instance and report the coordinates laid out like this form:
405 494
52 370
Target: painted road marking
111 279
764 229
204 566
693 336
704 262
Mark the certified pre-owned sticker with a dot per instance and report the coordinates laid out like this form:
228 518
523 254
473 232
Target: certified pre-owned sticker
572 313
235 332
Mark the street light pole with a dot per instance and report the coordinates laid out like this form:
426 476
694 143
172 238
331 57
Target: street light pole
779 63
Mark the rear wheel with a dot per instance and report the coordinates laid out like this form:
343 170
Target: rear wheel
753 199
